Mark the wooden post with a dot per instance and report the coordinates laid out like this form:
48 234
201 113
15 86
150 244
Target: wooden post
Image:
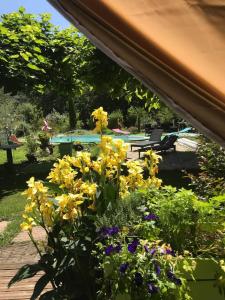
9 157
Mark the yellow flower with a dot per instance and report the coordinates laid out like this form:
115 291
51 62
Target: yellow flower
101 118
26 226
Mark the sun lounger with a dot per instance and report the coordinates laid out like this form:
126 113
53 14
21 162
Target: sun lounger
117 130
155 138
167 143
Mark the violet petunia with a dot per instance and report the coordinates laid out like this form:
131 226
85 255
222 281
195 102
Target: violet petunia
138 279
109 250
150 217
123 267
133 246
152 289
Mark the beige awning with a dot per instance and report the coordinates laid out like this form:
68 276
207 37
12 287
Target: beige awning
175 47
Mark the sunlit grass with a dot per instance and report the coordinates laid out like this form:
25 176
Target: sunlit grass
11 209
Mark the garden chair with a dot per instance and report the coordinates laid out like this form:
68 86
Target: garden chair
154 139
167 143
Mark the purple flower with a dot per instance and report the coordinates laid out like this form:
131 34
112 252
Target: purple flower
150 217
109 250
152 251
123 267
138 279
146 249
157 269
117 248
109 231
173 278
170 251
152 289
133 246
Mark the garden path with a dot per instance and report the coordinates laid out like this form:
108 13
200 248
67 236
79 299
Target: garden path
3 225
12 257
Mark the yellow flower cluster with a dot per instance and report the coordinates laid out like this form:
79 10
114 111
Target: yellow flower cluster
101 118
81 179
39 208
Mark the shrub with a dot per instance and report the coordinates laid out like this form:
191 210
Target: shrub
32 146
211 178
116 119
140 114
182 214
133 129
58 122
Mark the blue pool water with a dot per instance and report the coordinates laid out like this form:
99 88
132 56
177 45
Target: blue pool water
94 138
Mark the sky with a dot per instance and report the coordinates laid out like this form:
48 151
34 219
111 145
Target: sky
36 7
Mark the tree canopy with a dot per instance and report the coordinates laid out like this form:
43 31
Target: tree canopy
40 60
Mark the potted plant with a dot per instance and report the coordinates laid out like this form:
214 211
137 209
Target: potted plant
191 226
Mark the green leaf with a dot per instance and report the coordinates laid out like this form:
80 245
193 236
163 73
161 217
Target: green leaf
39 286
37 49
3 58
24 56
33 67
27 271
65 58
14 56
22 9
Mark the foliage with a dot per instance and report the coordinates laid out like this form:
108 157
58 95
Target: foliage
32 51
31 144
116 119
140 114
16 115
133 129
181 213
58 122
211 179
139 269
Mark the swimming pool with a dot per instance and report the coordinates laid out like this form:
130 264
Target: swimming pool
94 138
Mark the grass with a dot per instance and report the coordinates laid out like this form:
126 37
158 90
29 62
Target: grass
11 209
18 155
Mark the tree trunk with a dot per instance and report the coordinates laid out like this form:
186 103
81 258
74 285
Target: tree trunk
72 113
139 123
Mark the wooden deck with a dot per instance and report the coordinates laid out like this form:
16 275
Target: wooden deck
19 291
13 257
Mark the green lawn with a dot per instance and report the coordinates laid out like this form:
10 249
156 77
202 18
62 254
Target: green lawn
11 209
18 155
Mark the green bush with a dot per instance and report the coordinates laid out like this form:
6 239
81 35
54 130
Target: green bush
180 213
133 129
140 114
19 117
116 119
58 122
211 179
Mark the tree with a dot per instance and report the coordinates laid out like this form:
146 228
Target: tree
36 57
42 61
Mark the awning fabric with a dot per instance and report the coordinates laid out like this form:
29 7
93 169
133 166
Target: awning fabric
175 47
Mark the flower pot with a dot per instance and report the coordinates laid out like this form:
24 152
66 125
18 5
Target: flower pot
204 287
65 149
